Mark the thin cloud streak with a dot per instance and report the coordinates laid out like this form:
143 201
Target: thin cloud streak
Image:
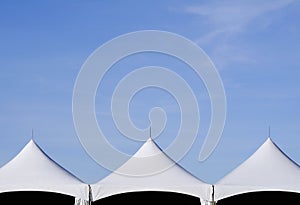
228 21
230 18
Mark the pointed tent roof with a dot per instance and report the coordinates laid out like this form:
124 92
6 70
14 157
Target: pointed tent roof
33 170
268 169
171 179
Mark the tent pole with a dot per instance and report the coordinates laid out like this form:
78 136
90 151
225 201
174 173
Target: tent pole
213 195
90 195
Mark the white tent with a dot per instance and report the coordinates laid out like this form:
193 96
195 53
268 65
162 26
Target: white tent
268 169
33 170
172 179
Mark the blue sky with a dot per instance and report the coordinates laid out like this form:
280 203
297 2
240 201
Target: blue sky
255 47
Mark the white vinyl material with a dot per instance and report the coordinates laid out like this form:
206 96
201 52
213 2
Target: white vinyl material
33 170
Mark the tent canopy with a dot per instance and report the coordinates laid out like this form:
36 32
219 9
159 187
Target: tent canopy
33 170
268 169
171 179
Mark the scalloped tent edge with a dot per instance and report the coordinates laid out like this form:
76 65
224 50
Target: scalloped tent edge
173 179
267 169
33 170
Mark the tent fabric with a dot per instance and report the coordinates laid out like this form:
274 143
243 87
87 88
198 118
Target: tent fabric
32 170
205 202
172 179
79 201
267 169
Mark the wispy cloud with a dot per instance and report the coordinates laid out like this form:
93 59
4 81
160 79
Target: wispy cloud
226 20
232 17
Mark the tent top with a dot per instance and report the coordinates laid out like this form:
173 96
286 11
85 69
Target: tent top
33 170
267 169
166 176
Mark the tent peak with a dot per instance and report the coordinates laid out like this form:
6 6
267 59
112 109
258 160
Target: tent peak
269 139
268 143
32 142
149 139
149 148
